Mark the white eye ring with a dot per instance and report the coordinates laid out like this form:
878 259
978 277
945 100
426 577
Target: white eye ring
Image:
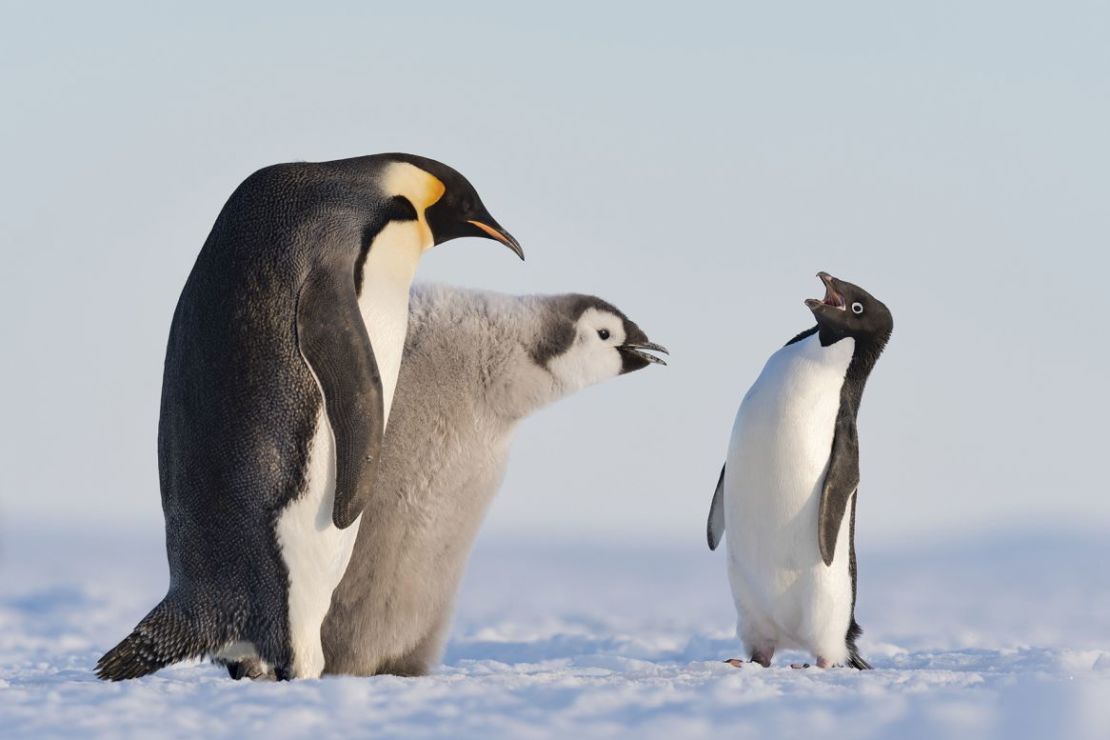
857 308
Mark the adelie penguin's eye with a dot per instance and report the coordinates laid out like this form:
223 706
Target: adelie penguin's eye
603 333
857 308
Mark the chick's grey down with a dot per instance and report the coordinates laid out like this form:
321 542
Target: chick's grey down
475 365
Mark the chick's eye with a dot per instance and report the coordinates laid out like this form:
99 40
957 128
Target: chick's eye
857 308
603 333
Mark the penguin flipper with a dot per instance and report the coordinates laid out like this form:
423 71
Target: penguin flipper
333 341
715 527
841 481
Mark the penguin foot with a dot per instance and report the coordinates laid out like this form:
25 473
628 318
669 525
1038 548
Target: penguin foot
821 663
799 666
253 669
762 661
763 657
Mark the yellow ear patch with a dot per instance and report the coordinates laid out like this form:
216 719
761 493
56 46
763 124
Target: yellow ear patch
420 187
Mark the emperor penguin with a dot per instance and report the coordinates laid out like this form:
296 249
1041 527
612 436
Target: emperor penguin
279 377
476 364
787 492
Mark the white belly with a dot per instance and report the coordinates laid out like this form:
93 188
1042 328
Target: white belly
315 551
785 595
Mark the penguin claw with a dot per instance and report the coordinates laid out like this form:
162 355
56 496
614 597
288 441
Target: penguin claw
799 666
734 662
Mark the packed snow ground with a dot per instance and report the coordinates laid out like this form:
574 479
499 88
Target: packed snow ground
1008 637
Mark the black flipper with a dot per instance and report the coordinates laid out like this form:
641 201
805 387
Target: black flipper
855 660
715 527
841 481
333 340
166 635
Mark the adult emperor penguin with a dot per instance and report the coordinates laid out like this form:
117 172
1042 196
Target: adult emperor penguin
280 372
787 492
476 364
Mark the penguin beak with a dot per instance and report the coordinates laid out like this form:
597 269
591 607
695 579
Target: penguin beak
641 349
833 298
497 233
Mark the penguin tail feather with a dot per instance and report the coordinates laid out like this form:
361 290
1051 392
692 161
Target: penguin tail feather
166 635
855 660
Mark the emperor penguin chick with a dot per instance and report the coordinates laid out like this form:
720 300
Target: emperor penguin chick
476 364
279 376
787 492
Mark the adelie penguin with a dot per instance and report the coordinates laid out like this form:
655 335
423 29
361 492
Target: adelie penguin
280 370
787 492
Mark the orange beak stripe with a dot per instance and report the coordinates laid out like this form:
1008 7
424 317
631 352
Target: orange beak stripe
492 232
508 241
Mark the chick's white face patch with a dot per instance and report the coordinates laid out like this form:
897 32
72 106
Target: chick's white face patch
593 355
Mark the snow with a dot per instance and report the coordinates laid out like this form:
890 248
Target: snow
999 637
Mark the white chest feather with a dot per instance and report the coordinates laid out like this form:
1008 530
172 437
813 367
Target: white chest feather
784 429
386 279
778 456
315 551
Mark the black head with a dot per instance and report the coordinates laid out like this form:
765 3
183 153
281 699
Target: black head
848 310
458 211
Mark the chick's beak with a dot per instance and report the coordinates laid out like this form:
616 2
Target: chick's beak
641 350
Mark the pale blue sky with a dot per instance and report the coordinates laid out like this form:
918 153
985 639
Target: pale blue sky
695 164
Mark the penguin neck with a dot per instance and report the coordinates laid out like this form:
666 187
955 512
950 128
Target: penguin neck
387 275
865 353
521 386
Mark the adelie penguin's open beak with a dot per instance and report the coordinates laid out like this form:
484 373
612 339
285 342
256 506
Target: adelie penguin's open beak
497 233
832 299
641 349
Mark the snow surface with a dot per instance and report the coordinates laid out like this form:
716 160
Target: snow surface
1008 637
